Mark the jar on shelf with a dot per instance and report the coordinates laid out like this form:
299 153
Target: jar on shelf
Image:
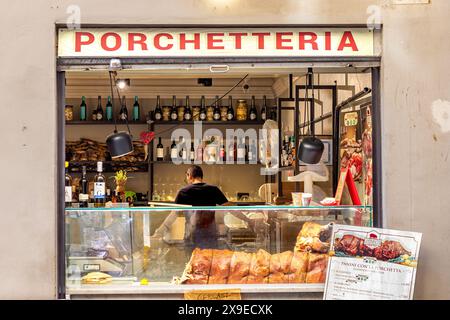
241 110
68 112
166 113
210 113
223 113
196 113
180 113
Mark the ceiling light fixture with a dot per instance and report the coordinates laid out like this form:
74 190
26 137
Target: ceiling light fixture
119 143
311 148
122 83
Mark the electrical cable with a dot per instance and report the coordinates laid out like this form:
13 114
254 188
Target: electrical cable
120 102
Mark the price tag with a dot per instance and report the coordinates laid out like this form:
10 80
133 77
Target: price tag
225 294
351 119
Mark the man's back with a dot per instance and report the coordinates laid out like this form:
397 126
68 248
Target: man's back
200 194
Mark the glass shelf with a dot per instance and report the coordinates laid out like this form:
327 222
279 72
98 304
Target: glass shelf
222 208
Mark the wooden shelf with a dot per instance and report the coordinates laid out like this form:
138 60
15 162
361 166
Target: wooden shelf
108 166
91 122
211 123
204 163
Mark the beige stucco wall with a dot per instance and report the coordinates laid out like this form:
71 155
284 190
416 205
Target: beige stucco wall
416 149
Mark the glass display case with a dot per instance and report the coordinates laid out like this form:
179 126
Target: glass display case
168 250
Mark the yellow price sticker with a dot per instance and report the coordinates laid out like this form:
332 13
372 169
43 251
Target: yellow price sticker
225 294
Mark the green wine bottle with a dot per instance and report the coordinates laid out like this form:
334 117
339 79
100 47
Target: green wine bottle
109 111
83 109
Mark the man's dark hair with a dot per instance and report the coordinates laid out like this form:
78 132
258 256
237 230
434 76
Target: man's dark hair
195 172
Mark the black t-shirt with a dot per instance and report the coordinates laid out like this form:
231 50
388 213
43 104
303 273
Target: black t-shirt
201 195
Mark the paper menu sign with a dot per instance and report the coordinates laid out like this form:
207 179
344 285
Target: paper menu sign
371 264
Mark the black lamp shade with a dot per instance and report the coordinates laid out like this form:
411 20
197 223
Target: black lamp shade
119 144
310 150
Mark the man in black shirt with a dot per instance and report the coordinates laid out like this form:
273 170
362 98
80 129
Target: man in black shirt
200 228
198 193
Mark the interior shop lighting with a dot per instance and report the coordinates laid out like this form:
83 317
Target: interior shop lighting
122 83
311 148
119 143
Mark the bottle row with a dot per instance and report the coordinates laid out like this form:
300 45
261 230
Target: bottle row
97 113
81 192
214 112
288 151
177 112
212 150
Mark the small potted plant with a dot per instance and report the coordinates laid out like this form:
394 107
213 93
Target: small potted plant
121 180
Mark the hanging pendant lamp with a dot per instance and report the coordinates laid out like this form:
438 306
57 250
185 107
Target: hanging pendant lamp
311 148
119 143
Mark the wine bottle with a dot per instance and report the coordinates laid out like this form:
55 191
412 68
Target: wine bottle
123 114
230 112
109 111
158 110
203 109
273 114
292 147
159 151
216 114
253 111
241 151
84 190
231 152
173 112
192 153
183 151
222 153
99 186
94 114
67 186
83 109
187 110
200 151
173 150
108 195
136 109
99 109
264 109
252 152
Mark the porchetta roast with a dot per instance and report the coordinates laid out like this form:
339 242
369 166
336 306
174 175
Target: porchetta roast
306 264
355 246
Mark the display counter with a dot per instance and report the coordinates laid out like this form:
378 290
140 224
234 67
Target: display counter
263 251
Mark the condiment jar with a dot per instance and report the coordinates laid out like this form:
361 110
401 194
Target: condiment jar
68 112
241 110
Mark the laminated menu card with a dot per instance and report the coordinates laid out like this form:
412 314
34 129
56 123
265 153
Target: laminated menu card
371 264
